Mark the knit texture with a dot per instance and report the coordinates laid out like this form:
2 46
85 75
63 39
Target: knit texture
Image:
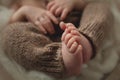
96 23
34 51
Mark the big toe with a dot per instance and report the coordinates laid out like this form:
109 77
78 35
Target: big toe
62 25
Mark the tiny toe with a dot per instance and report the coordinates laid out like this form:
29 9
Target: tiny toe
79 50
70 42
73 47
75 32
71 28
67 38
69 24
64 34
77 38
62 25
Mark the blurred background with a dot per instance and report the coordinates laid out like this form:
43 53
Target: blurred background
106 65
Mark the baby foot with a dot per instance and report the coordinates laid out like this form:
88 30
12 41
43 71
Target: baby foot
76 49
72 50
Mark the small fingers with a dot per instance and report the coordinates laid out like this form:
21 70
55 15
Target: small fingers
52 17
50 5
53 9
58 11
64 14
42 29
47 25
